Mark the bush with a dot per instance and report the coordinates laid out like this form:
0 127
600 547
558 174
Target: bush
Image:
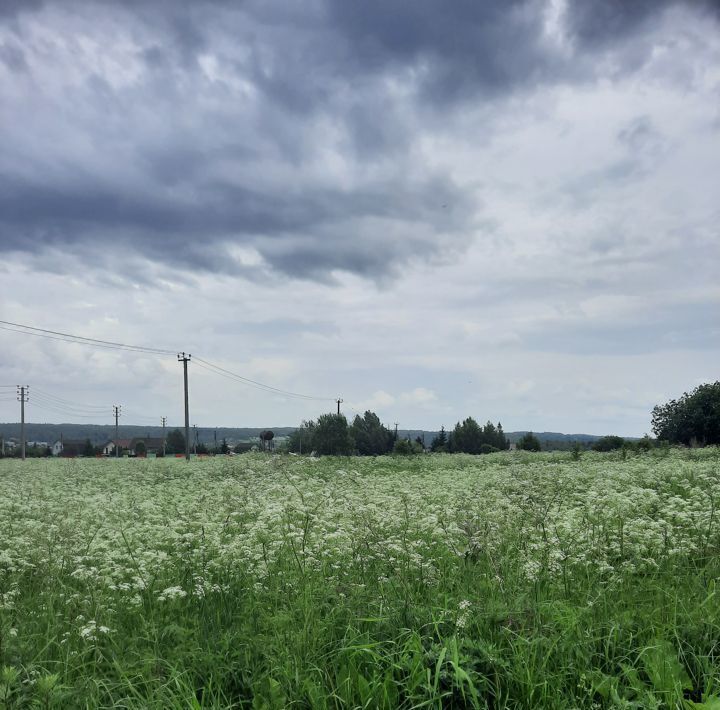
608 443
405 447
529 442
487 449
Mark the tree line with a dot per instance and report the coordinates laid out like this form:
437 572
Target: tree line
366 435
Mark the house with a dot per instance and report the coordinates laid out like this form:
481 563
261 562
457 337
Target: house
147 444
108 448
69 447
138 446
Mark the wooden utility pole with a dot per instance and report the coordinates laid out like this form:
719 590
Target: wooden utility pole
163 421
23 396
339 402
116 414
185 359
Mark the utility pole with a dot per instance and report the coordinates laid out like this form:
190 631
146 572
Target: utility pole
116 413
339 402
396 426
163 421
215 441
23 396
185 359
196 439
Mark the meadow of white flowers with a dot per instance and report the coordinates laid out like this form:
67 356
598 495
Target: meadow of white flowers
95 552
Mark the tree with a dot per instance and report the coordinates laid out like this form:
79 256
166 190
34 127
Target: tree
332 435
466 437
439 443
301 440
371 437
88 448
502 441
608 443
140 449
529 442
692 419
224 448
175 443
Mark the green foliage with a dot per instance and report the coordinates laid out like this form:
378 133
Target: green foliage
331 436
175 442
466 437
519 580
469 438
529 442
140 449
243 447
88 448
439 443
405 447
301 440
224 448
608 443
370 436
644 444
693 419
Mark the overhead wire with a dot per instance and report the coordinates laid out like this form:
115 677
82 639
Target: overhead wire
57 410
204 364
254 383
60 400
80 339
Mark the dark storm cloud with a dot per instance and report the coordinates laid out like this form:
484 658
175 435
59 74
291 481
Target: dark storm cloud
597 22
182 165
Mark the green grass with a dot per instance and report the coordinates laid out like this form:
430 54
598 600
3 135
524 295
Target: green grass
511 580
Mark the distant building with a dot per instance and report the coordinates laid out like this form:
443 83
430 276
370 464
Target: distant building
108 448
68 447
138 446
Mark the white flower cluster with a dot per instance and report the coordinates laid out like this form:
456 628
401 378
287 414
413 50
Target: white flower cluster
116 532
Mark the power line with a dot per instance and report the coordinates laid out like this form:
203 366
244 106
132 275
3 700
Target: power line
58 335
205 364
254 383
65 411
67 402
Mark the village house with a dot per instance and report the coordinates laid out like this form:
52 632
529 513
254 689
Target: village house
68 447
138 446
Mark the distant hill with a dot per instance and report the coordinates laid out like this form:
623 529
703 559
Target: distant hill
100 433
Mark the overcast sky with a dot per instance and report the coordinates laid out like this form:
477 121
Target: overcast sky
502 209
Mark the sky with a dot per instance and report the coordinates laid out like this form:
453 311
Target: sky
506 209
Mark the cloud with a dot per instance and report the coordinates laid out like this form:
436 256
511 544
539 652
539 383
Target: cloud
180 132
492 203
420 395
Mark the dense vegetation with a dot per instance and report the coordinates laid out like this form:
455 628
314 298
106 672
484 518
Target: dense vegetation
367 436
694 419
513 580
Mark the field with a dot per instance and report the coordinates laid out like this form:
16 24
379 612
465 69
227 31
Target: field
510 580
